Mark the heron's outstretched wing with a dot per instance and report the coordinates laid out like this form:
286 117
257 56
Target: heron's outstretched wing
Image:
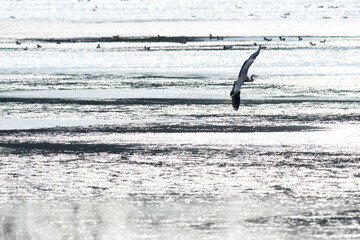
236 101
235 94
245 67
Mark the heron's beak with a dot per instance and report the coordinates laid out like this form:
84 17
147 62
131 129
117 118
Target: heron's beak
252 77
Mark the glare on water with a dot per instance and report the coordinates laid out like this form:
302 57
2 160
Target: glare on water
137 139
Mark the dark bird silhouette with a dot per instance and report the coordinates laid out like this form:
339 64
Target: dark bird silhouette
227 47
243 77
267 39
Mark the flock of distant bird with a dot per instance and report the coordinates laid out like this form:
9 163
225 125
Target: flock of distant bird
299 38
37 45
269 39
225 47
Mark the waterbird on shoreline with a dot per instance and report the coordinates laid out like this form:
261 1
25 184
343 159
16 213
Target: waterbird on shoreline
243 77
185 40
98 46
267 39
18 43
300 38
323 41
282 38
312 44
225 47
38 46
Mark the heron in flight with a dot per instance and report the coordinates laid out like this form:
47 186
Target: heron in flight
235 92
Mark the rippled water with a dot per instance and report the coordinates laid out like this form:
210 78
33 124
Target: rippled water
122 143
170 10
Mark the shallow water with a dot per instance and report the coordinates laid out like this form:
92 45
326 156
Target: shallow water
123 143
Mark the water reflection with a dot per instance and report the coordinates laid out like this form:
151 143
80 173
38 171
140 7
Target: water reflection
276 216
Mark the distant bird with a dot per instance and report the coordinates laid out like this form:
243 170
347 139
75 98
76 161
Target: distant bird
98 46
323 41
255 44
185 40
267 39
38 46
235 92
300 38
312 44
285 15
225 47
146 48
26 48
210 36
18 43
282 38
58 42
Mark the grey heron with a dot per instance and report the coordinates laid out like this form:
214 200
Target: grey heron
235 92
